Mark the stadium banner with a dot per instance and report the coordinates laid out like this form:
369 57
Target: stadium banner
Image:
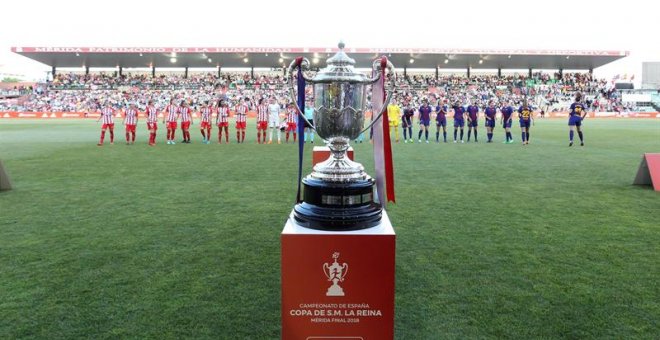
338 285
253 114
51 115
648 172
364 50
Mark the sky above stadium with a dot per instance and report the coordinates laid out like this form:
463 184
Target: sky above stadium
559 24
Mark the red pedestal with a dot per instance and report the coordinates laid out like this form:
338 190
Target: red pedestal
338 285
322 153
649 171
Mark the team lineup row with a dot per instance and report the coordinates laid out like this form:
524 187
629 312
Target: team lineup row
269 117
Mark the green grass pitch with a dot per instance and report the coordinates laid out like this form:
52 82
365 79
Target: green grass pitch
494 240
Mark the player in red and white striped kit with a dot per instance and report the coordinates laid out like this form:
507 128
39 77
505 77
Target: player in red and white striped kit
108 117
171 114
130 122
222 120
291 120
241 119
152 122
262 121
205 127
186 119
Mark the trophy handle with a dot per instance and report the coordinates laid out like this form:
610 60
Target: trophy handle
303 63
326 271
344 271
377 65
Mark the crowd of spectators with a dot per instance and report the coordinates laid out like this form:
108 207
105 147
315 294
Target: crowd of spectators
71 92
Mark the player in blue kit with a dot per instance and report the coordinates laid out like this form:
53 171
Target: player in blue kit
578 112
459 122
507 120
490 112
441 121
526 121
407 121
424 112
472 115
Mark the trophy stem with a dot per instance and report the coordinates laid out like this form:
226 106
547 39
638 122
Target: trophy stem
338 147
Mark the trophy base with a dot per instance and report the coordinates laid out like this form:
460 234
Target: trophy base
338 206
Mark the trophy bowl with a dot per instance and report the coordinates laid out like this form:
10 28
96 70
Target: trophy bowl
339 194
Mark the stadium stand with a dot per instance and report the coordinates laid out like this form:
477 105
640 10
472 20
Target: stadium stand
70 92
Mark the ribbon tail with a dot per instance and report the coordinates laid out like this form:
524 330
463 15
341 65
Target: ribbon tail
301 130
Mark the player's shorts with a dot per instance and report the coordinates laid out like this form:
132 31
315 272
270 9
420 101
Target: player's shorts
241 125
108 126
152 126
506 123
185 125
459 122
223 124
394 123
575 120
525 123
473 123
171 125
490 123
406 123
425 122
441 122
205 125
262 125
130 128
309 125
291 127
273 122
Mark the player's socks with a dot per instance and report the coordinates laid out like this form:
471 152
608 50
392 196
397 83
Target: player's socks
455 133
437 136
581 136
523 135
312 137
419 135
527 137
490 136
426 135
570 136
405 135
227 135
287 136
294 137
102 137
444 136
203 135
475 136
112 136
238 136
469 134
242 136
133 138
461 134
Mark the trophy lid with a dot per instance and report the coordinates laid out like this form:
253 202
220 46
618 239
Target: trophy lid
340 69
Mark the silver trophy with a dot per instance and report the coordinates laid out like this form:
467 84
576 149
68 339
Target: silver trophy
338 194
